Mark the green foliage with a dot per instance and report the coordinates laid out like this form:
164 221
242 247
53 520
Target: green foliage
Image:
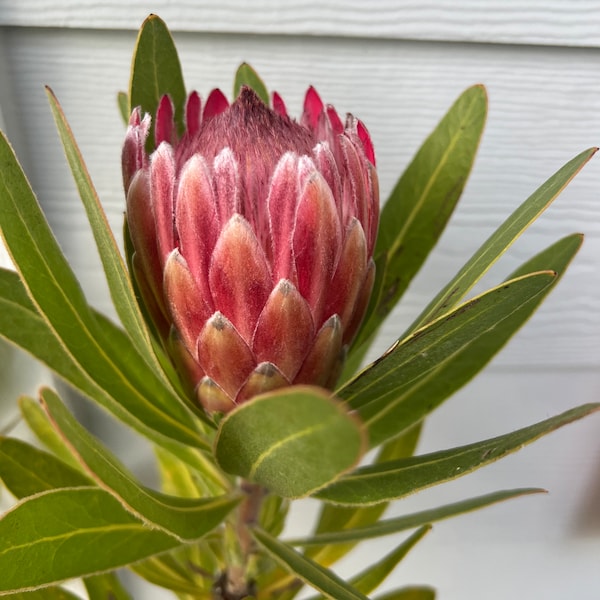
156 71
293 442
247 76
285 444
94 534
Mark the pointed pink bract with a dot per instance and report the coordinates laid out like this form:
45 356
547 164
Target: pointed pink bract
253 237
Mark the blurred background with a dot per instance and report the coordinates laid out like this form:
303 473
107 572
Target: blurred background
398 65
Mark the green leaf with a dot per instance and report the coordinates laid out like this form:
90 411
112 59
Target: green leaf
501 239
156 71
409 593
105 587
59 300
374 575
178 479
22 324
323 580
51 593
292 441
119 283
418 209
335 518
398 524
185 518
453 372
26 471
123 104
246 75
387 394
69 533
40 425
166 572
395 479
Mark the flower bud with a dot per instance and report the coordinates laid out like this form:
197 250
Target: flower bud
253 237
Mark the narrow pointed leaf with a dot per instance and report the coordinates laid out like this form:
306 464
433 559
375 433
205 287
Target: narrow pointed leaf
119 283
52 593
185 518
292 441
395 479
398 524
334 517
123 105
247 76
59 300
21 324
374 575
416 213
165 572
93 534
409 593
501 239
323 580
37 420
429 391
156 71
386 394
26 471
105 587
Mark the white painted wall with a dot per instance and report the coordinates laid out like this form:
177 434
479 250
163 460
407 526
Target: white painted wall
398 65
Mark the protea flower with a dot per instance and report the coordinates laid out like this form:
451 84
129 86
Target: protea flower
253 237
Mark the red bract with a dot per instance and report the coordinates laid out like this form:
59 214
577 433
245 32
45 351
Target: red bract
253 237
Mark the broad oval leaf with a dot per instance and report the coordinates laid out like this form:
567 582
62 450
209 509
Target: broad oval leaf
292 441
185 518
93 534
395 479
247 76
156 71
386 393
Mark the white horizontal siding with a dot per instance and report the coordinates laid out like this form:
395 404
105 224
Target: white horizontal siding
544 108
540 116
545 22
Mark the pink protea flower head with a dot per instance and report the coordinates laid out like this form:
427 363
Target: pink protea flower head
253 237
